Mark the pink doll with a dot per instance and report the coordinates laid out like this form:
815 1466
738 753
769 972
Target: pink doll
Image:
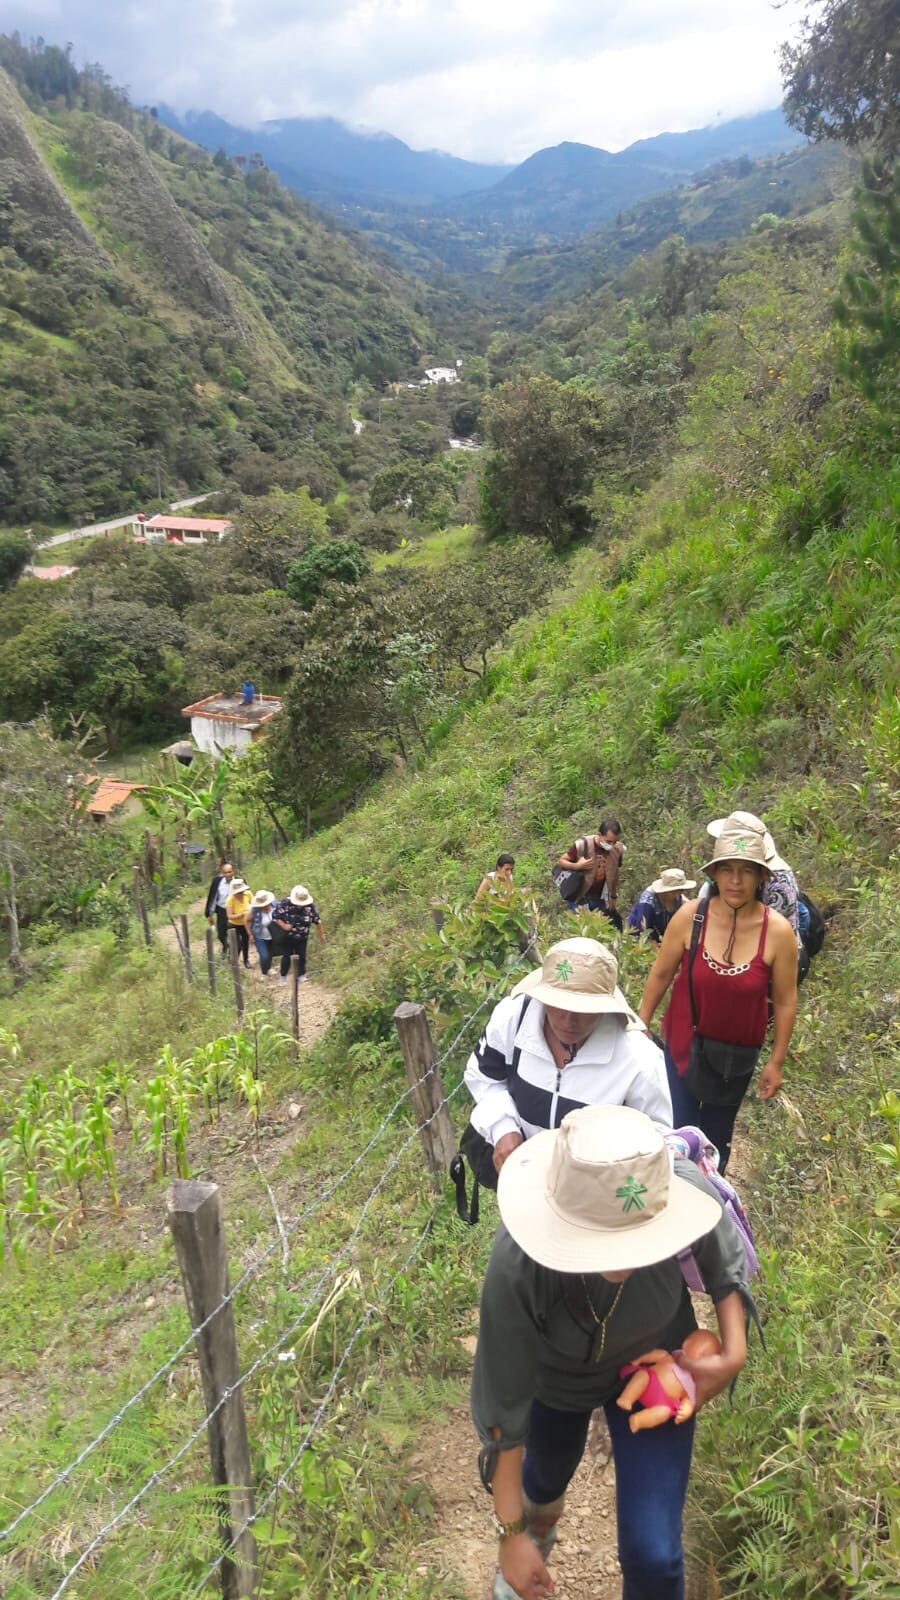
664 1388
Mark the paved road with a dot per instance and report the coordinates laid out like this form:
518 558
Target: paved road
116 522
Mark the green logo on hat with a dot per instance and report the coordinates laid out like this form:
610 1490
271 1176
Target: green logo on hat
740 845
630 1195
564 970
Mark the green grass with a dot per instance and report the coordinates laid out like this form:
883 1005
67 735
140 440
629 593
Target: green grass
435 550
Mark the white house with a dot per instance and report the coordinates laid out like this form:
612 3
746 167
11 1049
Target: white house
441 375
180 530
228 722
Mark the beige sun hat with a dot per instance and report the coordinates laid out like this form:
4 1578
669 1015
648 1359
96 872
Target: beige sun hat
300 896
752 824
262 899
672 881
578 975
238 886
736 842
597 1194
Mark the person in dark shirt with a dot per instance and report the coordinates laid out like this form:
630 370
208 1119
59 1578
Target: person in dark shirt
219 890
654 909
295 917
583 1279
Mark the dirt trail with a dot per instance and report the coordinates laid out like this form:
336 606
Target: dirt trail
318 1005
584 1564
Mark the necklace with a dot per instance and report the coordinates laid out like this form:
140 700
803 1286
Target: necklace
601 1321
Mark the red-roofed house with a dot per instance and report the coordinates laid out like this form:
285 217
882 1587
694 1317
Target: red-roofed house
176 529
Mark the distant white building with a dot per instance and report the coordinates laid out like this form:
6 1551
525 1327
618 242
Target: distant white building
180 530
229 722
441 375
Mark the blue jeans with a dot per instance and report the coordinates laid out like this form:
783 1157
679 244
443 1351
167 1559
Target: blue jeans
652 1470
264 951
717 1122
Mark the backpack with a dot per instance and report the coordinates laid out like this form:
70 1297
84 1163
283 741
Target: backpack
693 1144
814 937
474 1148
571 883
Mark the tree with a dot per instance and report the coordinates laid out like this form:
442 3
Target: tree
470 605
547 438
326 561
15 554
869 302
49 848
272 532
842 79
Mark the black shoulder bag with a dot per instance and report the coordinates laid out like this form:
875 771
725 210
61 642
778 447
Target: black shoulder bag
473 1146
718 1074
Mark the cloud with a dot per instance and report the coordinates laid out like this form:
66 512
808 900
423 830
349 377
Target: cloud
489 79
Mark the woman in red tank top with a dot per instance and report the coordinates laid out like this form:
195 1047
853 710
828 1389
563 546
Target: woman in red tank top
746 954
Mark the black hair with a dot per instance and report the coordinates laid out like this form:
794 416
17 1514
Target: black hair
610 825
506 861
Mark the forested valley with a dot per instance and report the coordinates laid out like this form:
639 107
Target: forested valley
640 553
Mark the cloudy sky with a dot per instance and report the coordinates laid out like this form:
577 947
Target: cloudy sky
493 80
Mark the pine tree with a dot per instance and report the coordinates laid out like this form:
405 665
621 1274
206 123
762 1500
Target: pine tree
869 302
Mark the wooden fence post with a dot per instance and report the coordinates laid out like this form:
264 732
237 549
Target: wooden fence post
236 970
432 1116
186 943
211 960
295 998
194 1213
141 906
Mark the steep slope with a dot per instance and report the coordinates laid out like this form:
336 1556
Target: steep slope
183 312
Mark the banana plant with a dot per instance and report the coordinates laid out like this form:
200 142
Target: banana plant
196 802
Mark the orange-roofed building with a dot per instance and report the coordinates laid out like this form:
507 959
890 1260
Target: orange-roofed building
113 797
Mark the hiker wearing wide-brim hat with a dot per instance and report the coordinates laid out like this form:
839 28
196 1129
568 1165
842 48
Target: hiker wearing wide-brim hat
583 1280
565 1037
294 917
741 954
781 891
656 906
261 928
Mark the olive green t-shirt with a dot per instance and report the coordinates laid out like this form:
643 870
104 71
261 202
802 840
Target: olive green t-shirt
539 1334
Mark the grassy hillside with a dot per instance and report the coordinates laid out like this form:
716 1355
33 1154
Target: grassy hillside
165 316
727 650
730 637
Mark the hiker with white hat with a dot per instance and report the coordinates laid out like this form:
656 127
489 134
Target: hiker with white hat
656 906
261 928
581 1282
565 1037
295 916
237 910
728 955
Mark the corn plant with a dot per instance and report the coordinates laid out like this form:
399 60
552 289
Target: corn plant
211 1065
6 1207
118 1081
69 1090
28 1134
155 1107
98 1126
252 1091
70 1156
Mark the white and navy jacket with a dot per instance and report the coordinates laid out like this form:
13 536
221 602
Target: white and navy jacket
518 1088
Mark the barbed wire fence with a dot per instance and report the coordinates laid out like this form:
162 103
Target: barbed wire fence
425 1080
